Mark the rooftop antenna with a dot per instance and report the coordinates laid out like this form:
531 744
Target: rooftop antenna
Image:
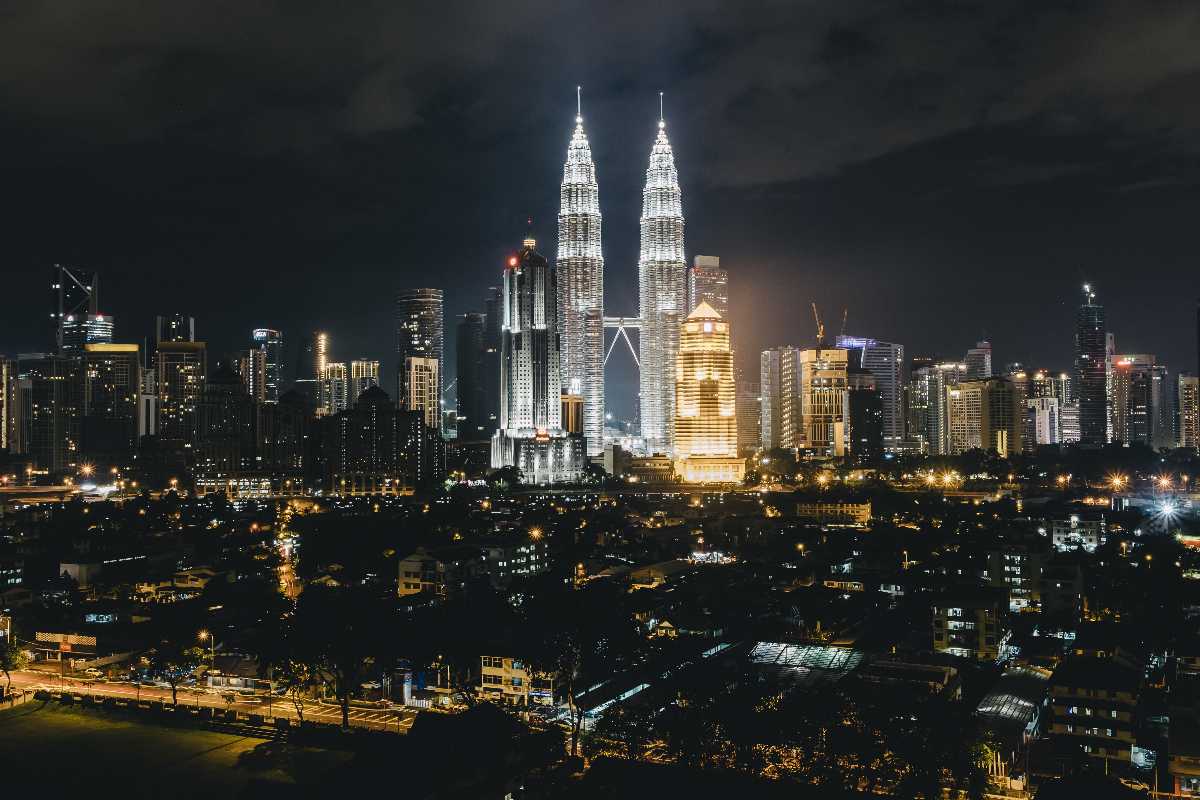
661 122
578 103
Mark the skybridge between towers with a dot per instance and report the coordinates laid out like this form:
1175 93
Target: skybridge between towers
621 325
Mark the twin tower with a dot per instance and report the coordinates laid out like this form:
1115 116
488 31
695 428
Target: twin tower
662 289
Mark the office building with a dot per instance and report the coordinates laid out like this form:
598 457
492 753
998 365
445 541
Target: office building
885 360
1091 372
472 416
270 341
174 328
493 314
791 416
181 368
1068 419
929 398
1189 412
364 373
705 434
580 270
662 294
749 417
572 414
112 383
225 444
708 282
419 326
80 330
8 410
75 293
530 436
823 401
51 402
866 417
771 392
979 361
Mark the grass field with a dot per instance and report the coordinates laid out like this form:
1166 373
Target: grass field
62 749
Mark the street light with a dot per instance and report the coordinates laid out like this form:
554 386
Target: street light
205 636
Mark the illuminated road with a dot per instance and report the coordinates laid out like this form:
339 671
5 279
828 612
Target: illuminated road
397 719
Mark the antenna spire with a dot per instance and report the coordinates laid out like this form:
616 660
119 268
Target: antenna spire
661 121
579 101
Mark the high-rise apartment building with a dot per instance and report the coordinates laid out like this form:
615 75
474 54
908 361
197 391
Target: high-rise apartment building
662 294
270 341
112 383
364 373
928 399
182 369
1091 371
335 388
984 414
419 326
580 269
1189 412
251 366
531 436
979 361
823 401
791 413
1043 423
472 415
884 360
422 379
705 435
174 328
75 293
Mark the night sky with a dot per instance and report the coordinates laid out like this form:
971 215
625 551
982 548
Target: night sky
945 170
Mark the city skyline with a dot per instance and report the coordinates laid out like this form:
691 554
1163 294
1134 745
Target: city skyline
1059 186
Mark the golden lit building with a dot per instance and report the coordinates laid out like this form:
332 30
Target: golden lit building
823 399
705 401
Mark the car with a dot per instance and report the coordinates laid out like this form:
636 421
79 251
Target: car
1135 784
93 672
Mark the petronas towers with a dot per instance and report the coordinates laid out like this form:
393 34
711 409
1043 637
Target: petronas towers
662 294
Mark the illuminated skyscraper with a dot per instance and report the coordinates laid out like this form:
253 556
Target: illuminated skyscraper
823 401
335 388
174 328
421 378
1091 371
1189 412
580 267
111 384
181 368
251 366
270 341
80 330
75 294
531 436
662 293
979 361
419 328
885 361
705 421
708 282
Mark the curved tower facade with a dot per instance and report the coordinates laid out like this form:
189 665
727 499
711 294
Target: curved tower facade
580 267
662 294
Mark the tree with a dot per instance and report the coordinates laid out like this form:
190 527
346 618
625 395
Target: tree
336 633
577 636
12 658
299 680
175 661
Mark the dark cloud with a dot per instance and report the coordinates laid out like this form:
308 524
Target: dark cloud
313 156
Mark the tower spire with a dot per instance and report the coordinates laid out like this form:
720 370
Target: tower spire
662 122
579 104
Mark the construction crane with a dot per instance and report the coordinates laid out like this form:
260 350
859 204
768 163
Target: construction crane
845 313
820 327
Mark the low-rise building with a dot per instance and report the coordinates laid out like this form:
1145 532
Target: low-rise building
440 572
836 512
1094 705
971 624
505 559
509 680
1076 532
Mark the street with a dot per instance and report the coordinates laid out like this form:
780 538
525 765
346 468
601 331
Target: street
398 719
